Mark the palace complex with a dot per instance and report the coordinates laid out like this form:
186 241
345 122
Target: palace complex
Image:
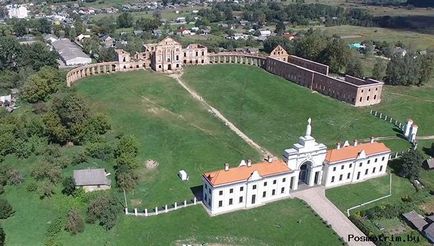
306 164
169 56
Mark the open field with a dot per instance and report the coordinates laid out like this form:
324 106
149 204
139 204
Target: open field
273 111
170 127
409 38
177 132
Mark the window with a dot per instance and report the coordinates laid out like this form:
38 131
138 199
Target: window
273 192
241 199
375 160
264 194
254 187
373 170
291 184
358 175
381 168
209 202
360 164
231 191
284 180
265 183
253 199
274 182
366 171
342 167
333 179
241 188
334 169
220 192
340 177
230 201
220 204
351 165
369 161
348 175
204 197
282 190
383 158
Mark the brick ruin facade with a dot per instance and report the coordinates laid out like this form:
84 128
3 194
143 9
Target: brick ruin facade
169 56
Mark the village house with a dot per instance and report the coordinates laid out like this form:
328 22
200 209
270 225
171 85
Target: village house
92 179
425 225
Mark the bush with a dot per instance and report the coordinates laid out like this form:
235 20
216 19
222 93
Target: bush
32 186
103 209
79 158
68 186
45 190
55 227
6 209
74 222
101 151
14 177
2 236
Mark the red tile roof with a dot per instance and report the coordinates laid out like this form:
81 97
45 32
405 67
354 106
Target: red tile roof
351 152
242 173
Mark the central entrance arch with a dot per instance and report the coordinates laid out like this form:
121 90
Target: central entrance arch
303 176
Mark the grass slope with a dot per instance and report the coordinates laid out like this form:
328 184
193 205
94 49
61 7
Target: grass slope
274 111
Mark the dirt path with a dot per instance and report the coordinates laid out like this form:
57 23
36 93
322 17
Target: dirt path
317 200
219 115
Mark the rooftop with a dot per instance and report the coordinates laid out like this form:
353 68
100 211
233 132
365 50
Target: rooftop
415 219
68 50
352 152
243 172
89 176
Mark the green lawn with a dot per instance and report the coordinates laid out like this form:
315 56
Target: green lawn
356 194
180 134
274 111
171 127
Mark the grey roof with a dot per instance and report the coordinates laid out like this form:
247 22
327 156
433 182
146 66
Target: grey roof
429 231
416 220
91 177
430 163
68 50
430 218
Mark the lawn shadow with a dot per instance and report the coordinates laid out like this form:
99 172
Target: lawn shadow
197 192
399 133
395 166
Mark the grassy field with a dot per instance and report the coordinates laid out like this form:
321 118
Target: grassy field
177 132
408 37
274 111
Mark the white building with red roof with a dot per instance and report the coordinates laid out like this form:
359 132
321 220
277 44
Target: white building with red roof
306 164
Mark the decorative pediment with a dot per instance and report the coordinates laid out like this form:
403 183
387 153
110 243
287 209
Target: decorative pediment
361 155
254 176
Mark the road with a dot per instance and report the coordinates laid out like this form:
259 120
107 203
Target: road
317 200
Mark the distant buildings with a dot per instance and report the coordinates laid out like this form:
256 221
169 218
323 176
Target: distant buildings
70 53
17 11
424 225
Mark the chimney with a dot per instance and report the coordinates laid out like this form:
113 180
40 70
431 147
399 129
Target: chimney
372 139
355 142
226 166
346 143
249 163
270 158
338 145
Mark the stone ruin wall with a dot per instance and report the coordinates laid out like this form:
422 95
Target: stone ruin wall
312 75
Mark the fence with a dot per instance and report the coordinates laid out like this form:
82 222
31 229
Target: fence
163 209
387 118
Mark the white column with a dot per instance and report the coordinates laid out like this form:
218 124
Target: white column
135 211
165 208
185 203
195 200
176 205
146 212
156 210
126 211
311 177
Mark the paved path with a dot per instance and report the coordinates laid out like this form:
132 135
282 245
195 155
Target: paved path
316 198
219 115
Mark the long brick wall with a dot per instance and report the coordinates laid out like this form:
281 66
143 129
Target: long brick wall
312 75
355 91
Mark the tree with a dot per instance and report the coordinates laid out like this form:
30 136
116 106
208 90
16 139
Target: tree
10 52
354 68
311 46
411 163
126 178
74 222
2 236
68 186
127 145
125 20
272 42
42 84
280 28
379 70
426 68
44 25
38 55
6 209
336 54
46 190
403 70
103 209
